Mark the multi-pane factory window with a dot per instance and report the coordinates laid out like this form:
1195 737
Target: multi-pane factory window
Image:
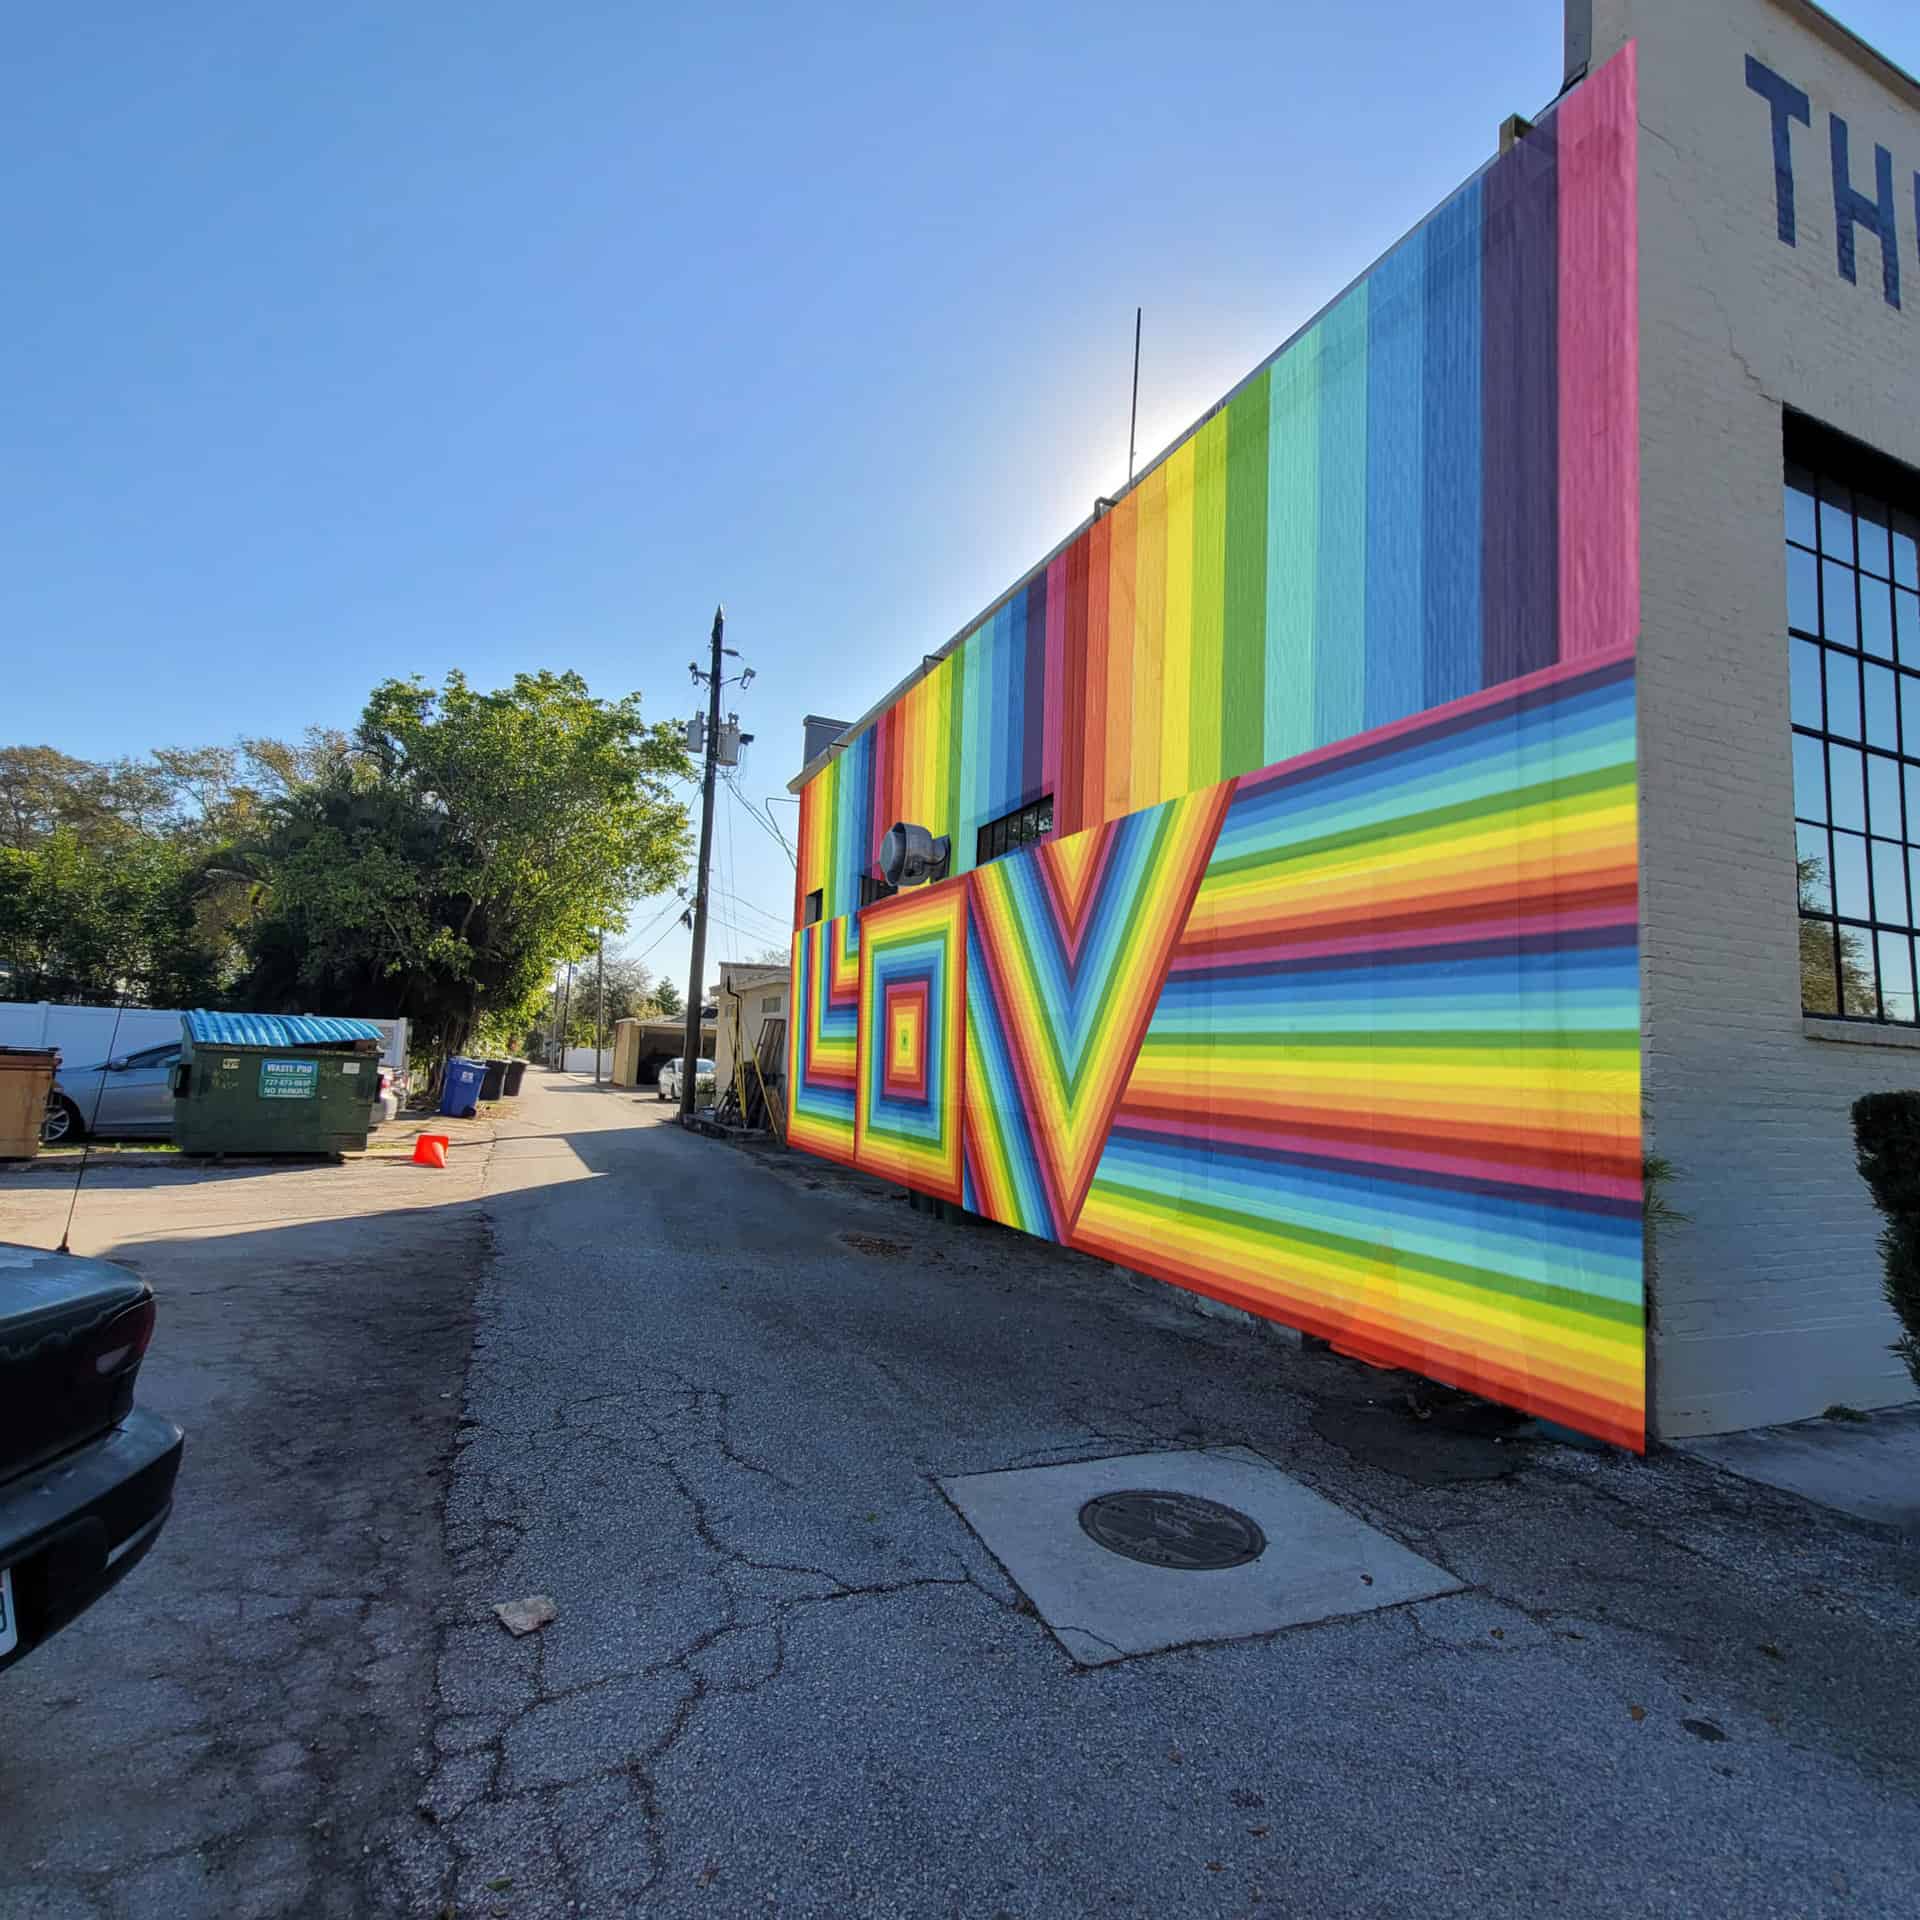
1019 828
1853 626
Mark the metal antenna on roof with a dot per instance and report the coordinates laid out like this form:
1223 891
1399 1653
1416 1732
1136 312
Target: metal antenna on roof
1133 419
93 1120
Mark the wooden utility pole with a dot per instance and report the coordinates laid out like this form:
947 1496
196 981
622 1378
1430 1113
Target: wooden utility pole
696 978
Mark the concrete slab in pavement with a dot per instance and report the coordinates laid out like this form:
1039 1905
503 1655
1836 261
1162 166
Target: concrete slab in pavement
1316 1561
1868 1465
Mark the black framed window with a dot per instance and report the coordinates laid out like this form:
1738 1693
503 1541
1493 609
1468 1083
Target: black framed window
872 890
816 905
1020 828
1853 640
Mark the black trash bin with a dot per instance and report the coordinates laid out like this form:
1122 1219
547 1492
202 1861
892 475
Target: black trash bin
516 1072
493 1086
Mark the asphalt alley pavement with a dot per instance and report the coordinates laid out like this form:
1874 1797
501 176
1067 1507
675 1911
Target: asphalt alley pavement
708 1402
217 1735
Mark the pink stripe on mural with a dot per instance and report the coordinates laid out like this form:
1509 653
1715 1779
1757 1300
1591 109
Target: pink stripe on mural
1054 719
1598 129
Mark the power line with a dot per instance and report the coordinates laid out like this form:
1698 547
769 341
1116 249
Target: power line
764 821
672 911
761 813
740 900
772 919
667 934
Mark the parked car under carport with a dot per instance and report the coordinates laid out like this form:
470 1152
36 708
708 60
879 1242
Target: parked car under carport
667 1086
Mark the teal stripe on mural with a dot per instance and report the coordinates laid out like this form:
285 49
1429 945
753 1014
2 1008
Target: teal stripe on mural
1293 548
1340 596
1396 466
1244 677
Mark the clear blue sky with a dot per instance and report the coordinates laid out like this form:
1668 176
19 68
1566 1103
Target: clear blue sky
362 340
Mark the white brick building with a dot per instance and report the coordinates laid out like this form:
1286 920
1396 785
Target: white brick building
1771 325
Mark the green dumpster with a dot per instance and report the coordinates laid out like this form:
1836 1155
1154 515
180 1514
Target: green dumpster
274 1083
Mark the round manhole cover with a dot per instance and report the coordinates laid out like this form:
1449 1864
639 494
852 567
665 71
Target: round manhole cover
1178 1530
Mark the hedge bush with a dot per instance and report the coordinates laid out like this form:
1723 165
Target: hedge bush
1886 1137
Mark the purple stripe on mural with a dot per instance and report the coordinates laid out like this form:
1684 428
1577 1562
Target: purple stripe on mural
1034 733
1520 374
1054 626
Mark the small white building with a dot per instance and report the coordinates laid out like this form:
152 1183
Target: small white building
750 994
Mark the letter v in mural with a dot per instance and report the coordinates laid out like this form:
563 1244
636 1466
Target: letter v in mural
1066 953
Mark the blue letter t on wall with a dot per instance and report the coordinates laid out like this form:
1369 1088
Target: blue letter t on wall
1788 103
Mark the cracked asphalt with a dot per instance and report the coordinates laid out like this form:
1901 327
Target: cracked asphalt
708 1399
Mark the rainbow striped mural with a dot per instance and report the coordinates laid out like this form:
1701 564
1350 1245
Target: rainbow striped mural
1391 1089
1323 997
1430 491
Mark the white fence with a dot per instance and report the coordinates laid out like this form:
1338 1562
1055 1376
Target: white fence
88 1035
580 1060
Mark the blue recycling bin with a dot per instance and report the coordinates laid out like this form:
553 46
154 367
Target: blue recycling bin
460 1097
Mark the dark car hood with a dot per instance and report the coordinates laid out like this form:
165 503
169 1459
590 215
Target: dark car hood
50 1305
45 1295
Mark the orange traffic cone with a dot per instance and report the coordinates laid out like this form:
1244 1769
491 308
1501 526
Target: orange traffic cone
430 1150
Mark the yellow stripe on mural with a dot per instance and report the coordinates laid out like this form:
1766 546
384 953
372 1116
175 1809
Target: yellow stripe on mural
1149 639
1209 637
1176 667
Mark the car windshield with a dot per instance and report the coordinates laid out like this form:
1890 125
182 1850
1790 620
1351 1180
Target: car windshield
153 1057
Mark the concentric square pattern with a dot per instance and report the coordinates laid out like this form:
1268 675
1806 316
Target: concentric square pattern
913 1025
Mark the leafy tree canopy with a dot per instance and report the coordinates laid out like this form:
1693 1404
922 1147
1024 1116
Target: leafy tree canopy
465 843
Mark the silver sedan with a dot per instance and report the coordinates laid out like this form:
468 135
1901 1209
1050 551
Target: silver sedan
668 1085
128 1096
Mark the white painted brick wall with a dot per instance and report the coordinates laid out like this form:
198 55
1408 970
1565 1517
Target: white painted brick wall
1769 1302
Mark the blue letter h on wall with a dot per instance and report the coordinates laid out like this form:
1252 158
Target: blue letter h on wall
1851 208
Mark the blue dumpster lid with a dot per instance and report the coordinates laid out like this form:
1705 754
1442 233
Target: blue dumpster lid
274 1029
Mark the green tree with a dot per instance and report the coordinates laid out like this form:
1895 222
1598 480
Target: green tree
1886 1135
80 921
44 792
464 844
666 1000
630 990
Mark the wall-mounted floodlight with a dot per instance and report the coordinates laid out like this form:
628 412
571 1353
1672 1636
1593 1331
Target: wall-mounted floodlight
910 854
